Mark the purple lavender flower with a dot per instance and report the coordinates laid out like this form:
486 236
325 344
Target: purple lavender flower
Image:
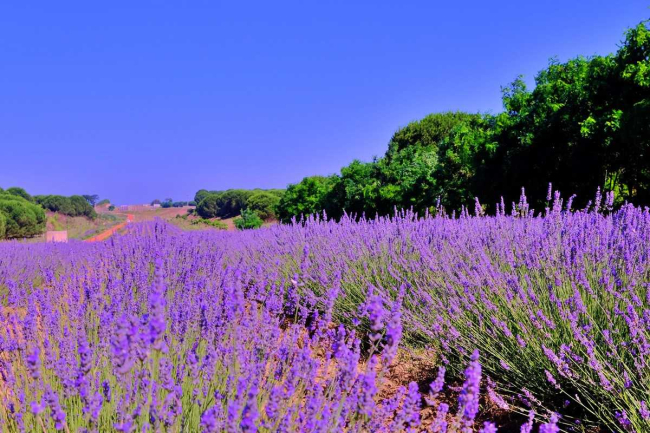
56 411
551 426
468 401
33 361
488 427
527 427
437 385
643 411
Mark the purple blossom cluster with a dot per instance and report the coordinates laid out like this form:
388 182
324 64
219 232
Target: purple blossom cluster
294 327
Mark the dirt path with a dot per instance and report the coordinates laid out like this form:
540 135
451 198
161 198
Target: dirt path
110 232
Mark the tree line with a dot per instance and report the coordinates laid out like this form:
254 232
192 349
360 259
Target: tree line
23 215
235 202
586 124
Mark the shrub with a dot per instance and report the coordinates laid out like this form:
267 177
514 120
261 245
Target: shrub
248 220
22 218
213 223
111 208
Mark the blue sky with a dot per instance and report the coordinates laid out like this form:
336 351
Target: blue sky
141 100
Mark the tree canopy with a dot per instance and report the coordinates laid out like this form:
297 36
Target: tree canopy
20 218
585 124
75 205
230 203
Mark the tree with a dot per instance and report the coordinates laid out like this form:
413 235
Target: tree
21 218
75 205
248 220
82 207
20 192
427 132
200 195
155 201
91 199
305 198
208 207
585 124
263 203
103 202
231 202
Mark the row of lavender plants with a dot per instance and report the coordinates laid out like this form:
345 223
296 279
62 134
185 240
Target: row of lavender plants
160 330
293 328
557 301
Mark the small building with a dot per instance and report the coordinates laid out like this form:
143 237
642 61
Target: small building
156 205
56 236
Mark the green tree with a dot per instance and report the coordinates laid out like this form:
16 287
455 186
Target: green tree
427 132
263 203
21 217
305 198
208 207
200 195
355 191
20 192
82 207
231 202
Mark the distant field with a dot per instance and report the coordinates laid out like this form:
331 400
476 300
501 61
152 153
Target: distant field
173 214
79 227
148 215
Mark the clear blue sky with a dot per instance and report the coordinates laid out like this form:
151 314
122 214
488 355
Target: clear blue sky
140 100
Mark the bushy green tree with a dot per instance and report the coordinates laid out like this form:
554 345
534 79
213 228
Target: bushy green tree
263 203
208 207
82 207
248 220
305 198
428 132
200 195
75 205
56 203
20 192
22 218
232 201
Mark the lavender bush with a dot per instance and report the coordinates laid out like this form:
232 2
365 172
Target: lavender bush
294 327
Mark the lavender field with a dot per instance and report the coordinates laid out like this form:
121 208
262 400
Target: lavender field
541 319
